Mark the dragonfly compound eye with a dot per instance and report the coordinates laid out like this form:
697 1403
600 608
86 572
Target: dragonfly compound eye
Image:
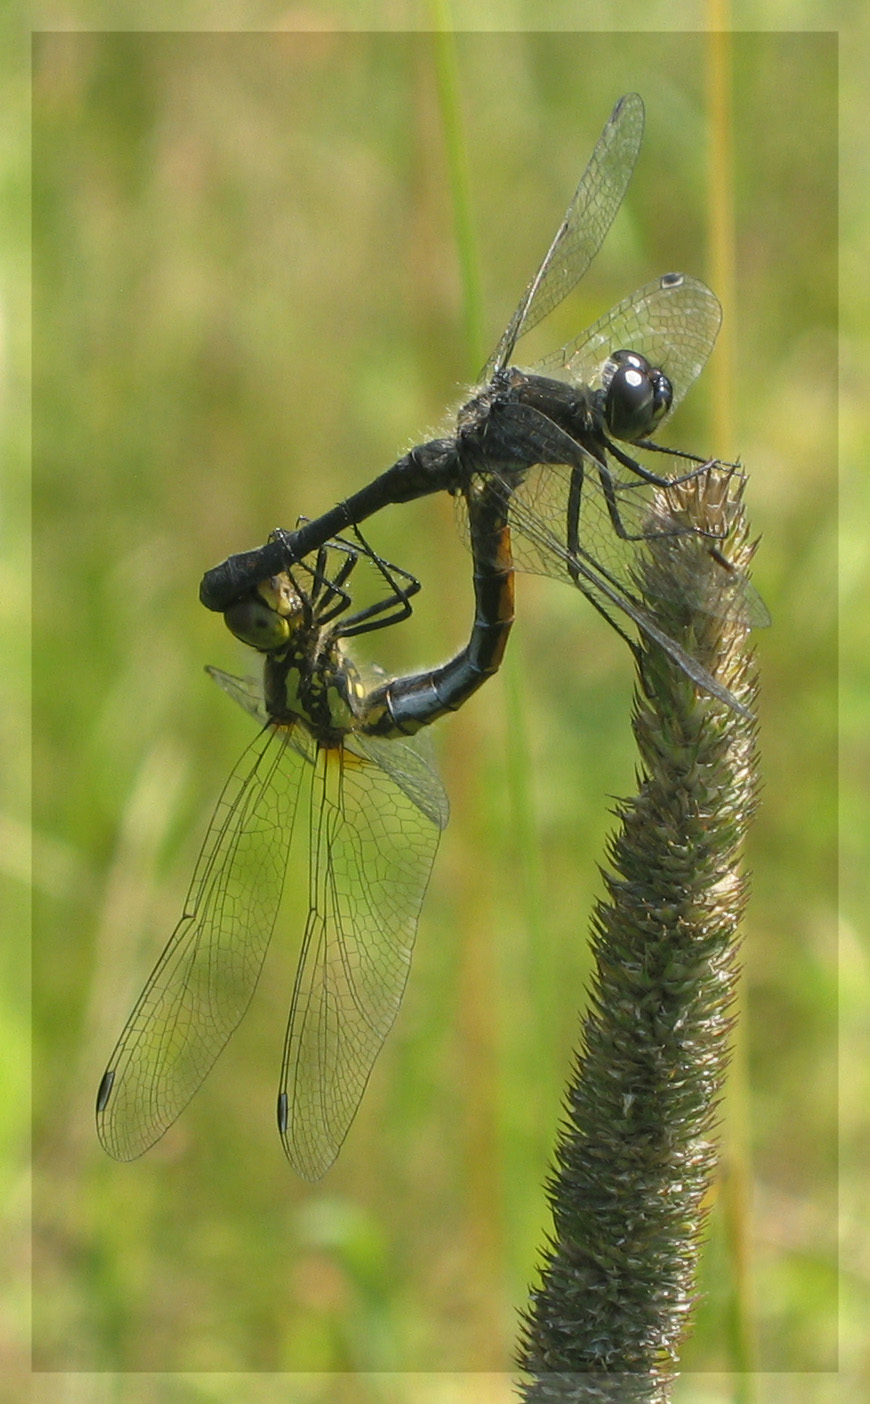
636 398
256 624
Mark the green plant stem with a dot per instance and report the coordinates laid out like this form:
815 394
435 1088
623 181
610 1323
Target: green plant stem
459 183
636 1153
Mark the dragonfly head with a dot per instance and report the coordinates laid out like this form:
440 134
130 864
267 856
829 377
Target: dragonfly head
267 617
637 396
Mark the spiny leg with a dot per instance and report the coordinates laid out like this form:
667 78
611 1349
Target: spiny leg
675 528
392 610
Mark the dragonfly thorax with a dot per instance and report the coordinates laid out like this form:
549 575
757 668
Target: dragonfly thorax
520 419
636 396
313 682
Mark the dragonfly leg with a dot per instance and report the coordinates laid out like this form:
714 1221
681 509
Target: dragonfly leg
392 610
653 447
672 528
572 525
657 479
704 466
327 597
327 594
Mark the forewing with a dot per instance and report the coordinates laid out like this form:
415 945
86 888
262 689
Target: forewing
582 231
203 982
372 850
248 692
673 321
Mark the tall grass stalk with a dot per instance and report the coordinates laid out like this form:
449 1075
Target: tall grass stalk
447 78
636 1154
518 753
740 1343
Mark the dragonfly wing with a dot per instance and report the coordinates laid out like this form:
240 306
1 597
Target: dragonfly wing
411 772
372 849
553 501
248 692
539 507
673 321
202 984
548 554
582 231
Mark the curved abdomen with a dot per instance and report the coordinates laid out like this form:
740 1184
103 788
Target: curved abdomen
404 705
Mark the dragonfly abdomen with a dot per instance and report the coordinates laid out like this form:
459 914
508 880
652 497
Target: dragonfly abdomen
402 706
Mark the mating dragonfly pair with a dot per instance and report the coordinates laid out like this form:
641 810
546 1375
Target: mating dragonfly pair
535 465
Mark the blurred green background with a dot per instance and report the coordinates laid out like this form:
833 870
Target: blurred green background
247 301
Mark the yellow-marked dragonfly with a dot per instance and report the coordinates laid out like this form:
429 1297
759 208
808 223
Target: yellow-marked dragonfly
334 749
547 440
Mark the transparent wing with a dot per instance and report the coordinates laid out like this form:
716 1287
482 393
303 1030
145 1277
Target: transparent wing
561 519
374 836
582 231
411 772
562 526
203 982
248 692
673 321
539 547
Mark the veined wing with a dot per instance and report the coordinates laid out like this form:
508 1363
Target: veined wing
549 496
538 514
202 984
545 551
582 231
411 772
603 565
673 321
248 692
374 835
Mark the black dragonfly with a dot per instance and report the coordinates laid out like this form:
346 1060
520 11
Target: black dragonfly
333 748
547 440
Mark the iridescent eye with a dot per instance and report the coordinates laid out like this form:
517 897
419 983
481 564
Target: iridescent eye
637 396
256 624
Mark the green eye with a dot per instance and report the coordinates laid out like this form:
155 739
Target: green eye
256 624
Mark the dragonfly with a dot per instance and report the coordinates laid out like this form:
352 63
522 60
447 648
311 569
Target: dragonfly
549 440
333 752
